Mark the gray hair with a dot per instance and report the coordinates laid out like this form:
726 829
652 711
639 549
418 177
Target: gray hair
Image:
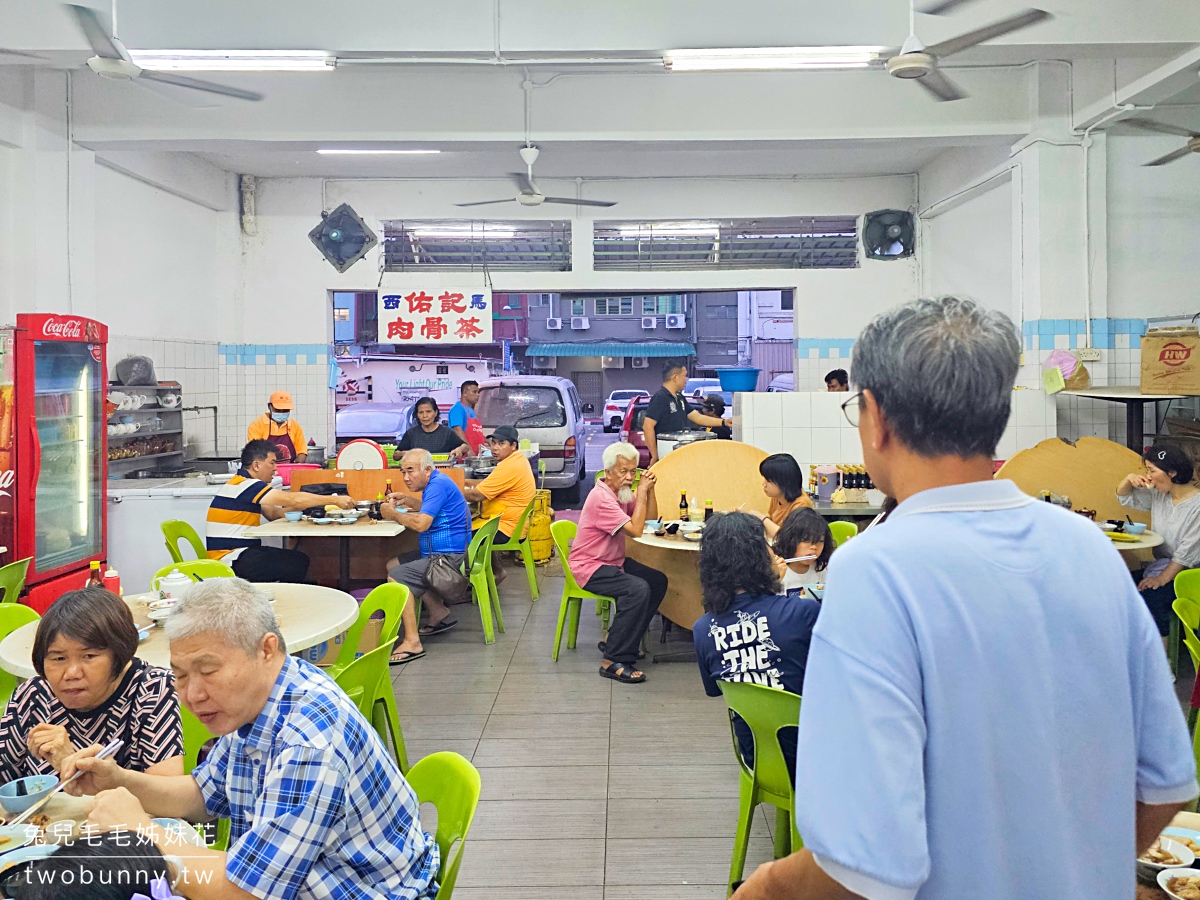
619 450
423 457
231 608
942 372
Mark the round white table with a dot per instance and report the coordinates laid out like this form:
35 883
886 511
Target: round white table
307 613
668 542
1145 541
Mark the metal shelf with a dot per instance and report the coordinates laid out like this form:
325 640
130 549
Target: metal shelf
143 434
113 462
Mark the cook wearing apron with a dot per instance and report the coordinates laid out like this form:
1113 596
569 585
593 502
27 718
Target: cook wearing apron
277 426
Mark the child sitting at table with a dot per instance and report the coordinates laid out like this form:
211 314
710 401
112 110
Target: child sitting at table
804 533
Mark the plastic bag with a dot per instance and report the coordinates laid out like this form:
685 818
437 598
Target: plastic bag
136 370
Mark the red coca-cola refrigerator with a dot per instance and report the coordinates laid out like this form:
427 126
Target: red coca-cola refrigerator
53 451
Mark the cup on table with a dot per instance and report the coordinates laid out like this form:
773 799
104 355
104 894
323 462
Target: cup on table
293 515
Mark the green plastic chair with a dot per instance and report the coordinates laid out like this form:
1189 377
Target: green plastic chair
842 532
12 580
367 681
573 595
175 530
1187 615
197 569
522 546
195 736
478 568
766 710
452 785
12 617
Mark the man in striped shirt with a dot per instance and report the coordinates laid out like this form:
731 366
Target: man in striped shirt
242 503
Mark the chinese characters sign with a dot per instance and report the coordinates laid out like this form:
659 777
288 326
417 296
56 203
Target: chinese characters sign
436 316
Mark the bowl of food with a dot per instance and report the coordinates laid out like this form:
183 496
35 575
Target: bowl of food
816 591
17 796
324 520
694 536
1135 527
364 504
1180 883
159 616
686 528
13 837
652 525
293 515
1165 853
1189 837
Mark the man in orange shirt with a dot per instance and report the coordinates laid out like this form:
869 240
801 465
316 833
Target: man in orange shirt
507 491
277 426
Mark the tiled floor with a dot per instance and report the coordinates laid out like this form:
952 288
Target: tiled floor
592 790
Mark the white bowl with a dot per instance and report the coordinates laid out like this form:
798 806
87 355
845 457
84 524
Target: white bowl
691 527
1165 875
158 616
1185 856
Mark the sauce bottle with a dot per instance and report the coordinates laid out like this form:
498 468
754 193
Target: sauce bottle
94 577
683 506
708 510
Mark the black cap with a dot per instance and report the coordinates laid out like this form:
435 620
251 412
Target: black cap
505 433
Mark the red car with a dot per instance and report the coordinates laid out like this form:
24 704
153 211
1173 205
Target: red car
631 428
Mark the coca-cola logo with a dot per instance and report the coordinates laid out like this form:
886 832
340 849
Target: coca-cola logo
63 329
1174 354
7 479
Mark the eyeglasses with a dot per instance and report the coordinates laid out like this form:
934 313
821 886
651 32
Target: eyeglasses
852 408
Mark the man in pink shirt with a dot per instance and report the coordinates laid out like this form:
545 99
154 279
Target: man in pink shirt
611 511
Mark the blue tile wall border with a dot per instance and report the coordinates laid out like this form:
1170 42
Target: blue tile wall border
273 354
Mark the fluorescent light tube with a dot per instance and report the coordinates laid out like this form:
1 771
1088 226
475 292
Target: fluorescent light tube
334 151
234 60
766 58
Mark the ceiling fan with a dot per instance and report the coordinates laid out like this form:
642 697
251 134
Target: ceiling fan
1192 145
920 63
112 61
527 190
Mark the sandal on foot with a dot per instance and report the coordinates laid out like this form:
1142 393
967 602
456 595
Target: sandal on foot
439 628
622 672
602 646
401 657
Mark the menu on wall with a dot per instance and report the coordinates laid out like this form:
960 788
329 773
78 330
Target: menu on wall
436 315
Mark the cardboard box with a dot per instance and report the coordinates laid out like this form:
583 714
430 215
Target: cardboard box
1171 361
326 653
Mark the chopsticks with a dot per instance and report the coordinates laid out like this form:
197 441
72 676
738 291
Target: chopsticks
109 749
802 558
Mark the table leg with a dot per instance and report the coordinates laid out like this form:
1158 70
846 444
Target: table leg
344 564
1135 426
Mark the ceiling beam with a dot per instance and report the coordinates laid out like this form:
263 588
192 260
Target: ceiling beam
1155 87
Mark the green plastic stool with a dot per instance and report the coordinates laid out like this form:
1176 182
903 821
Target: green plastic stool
195 736
573 595
12 617
842 532
175 530
522 546
197 570
367 681
452 785
12 580
478 568
766 710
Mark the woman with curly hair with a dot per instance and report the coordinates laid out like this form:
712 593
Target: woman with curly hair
750 632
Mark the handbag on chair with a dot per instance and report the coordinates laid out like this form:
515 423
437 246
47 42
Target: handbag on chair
445 576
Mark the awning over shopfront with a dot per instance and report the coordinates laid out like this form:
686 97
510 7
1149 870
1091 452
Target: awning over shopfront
612 348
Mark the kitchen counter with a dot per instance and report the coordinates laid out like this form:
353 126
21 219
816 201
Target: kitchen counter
125 485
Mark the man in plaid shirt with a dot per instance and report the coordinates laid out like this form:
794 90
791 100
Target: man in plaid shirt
317 807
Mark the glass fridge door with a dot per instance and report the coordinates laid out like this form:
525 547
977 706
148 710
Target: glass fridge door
68 405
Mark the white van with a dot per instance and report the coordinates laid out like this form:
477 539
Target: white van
546 410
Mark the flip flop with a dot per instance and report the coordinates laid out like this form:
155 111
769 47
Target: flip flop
622 672
404 656
439 628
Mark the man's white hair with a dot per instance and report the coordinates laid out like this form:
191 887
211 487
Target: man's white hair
423 458
619 450
230 608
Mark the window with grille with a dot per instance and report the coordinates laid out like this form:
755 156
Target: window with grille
614 306
661 306
470 246
807 242
729 311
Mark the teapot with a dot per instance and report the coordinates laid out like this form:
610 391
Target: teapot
171 586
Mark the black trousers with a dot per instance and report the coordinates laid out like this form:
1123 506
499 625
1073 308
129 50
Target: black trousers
271 564
1159 601
638 591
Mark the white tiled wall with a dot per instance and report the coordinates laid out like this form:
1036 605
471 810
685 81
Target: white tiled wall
813 429
245 390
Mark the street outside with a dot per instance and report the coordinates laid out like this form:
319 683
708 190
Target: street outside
595 440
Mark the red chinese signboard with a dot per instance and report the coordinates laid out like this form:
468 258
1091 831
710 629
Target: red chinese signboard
436 316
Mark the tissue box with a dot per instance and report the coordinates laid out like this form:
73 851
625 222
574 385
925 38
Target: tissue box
1171 361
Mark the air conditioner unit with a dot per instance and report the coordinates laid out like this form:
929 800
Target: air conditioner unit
677 321
649 323
612 362
640 362
580 323
543 362
554 324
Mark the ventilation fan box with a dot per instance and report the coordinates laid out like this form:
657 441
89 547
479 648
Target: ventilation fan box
543 362
649 323
888 234
580 323
554 324
612 362
640 362
677 321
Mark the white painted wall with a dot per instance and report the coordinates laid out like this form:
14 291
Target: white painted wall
969 250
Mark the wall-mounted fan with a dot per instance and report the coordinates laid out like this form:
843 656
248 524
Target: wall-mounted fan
888 234
343 237
527 189
1192 145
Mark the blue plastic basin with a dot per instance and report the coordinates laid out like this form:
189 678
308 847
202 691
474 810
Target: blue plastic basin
738 378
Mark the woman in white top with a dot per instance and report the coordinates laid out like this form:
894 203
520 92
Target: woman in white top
803 533
1166 490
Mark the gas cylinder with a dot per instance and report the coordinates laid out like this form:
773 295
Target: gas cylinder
539 528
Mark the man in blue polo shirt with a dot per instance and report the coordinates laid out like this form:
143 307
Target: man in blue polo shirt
442 520
984 682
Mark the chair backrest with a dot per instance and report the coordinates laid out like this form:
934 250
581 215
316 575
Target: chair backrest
197 569
766 710
12 580
563 533
842 532
479 550
452 785
1187 607
390 599
195 736
175 530
12 617
519 530
360 680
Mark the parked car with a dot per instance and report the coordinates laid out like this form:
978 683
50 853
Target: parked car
785 381
382 422
616 405
702 387
631 428
546 410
